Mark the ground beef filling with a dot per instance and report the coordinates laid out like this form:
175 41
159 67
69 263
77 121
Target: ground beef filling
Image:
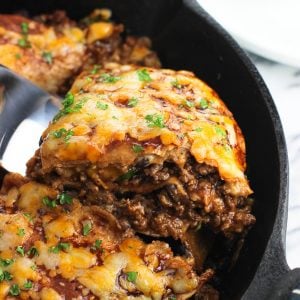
160 199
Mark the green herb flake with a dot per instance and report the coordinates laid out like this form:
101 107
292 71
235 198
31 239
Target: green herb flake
107 78
21 232
20 250
18 56
128 175
203 103
188 103
176 84
24 28
48 202
143 75
98 244
5 275
28 216
47 57
33 251
33 267
132 276
68 100
65 199
155 120
172 298
220 131
62 132
87 227
132 102
14 290
115 118
6 262
59 247
102 106
28 285
23 42
137 148
95 69
198 129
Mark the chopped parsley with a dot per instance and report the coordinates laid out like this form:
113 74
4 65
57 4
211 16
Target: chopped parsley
172 298
28 285
176 84
203 103
68 100
220 131
103 106
14 290
132 276
65 199
188 103
28 216
95 69
128 175
47 57
5 262
107 78
20 250
4 275
97 245
24 28
87 227
198 129
21 232
48 202
33 252
59 247
132 102
137 148
63 132
18 56
155 120
143 75
33 267
24 43
88 79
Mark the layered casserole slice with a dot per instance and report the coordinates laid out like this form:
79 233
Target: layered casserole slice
155 147
52 247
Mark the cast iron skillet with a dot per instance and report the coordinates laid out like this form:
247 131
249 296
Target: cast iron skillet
186 37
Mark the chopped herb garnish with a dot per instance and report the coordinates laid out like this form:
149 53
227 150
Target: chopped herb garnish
198 129
88 79
87 228
137 148
20 250
227 148
47 57
68 100
4 275
28 216
144 75
23 42
97 245
107 78
115 118
62 132
155 120
95 69
18 56
132 276
14 290
28 285
220 131
65 199
33 267
24 28
176 84
132 102
102 106
21 232
59 247
203 103
48 202
6 262
188 103
67 103
33 252
128 175
172 298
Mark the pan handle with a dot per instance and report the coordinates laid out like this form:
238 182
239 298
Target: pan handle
288 287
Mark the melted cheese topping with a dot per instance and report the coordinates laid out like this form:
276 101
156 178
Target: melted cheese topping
175 108
63 250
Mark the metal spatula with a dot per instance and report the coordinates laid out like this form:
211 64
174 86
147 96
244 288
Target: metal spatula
19 98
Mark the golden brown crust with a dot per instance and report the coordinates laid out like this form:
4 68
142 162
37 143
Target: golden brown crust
173 113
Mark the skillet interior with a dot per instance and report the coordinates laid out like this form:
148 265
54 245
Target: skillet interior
185 39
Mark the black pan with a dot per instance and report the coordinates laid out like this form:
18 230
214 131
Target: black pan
186 37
